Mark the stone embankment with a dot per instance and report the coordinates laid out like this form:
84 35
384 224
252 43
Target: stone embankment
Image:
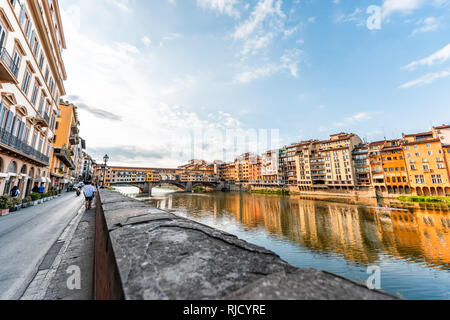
147 253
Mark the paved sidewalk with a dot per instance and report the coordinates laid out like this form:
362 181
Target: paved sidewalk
26 237
71 253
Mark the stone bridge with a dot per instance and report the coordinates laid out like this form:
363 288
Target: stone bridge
147 187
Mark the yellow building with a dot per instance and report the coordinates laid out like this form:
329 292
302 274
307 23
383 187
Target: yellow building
65 142
426 164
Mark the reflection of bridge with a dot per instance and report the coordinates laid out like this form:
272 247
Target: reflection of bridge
146 187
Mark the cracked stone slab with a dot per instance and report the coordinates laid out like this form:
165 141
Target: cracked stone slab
160 256
306 284
121 217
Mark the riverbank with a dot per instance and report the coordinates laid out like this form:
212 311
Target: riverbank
279 192
423 199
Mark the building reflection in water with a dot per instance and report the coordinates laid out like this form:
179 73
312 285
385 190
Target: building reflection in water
360 234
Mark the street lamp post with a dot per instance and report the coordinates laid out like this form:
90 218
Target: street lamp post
105 159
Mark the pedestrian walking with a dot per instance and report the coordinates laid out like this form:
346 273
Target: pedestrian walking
15 192
89 194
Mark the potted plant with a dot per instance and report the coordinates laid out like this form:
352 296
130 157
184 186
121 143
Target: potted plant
5 205
26 202
17 204
35 198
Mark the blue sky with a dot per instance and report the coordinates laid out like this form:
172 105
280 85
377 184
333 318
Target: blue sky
308 68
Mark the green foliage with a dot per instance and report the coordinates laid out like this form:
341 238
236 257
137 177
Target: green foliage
198 189
281 192
6 202
110 189
35 196
16 201
27 200
425 199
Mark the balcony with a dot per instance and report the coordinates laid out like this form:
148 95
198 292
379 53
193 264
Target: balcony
42 119
64 155
75 130
13 144
74 139
8 69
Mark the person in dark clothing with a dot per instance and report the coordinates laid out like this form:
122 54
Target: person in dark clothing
35 189
15 192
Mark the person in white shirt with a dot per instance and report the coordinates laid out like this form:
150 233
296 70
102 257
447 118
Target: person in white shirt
89 193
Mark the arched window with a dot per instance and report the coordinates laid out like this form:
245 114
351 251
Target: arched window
12 167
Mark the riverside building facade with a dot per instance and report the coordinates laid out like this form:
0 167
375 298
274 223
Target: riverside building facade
416 164
32 73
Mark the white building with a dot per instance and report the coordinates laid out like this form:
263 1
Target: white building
31 82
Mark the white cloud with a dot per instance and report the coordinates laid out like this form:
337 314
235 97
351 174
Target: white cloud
426 79
223 6
146 41
123 5
427 25
263 10
256 73
254 44
288 62
404 6
356 118
357 16
438 57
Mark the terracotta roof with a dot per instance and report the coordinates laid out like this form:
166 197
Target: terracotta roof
419 134
421 142
443 127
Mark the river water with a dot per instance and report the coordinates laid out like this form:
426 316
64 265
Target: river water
410 247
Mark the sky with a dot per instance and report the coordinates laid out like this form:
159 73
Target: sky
158 82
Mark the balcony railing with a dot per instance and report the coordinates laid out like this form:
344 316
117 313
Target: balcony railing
43 116
64 155
10 69
11 141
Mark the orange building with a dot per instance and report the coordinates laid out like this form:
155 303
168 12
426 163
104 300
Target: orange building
227 172
255 171
394 167
242 164
65 142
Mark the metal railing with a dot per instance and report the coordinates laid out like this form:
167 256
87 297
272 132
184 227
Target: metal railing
12 141
45 116
6 58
